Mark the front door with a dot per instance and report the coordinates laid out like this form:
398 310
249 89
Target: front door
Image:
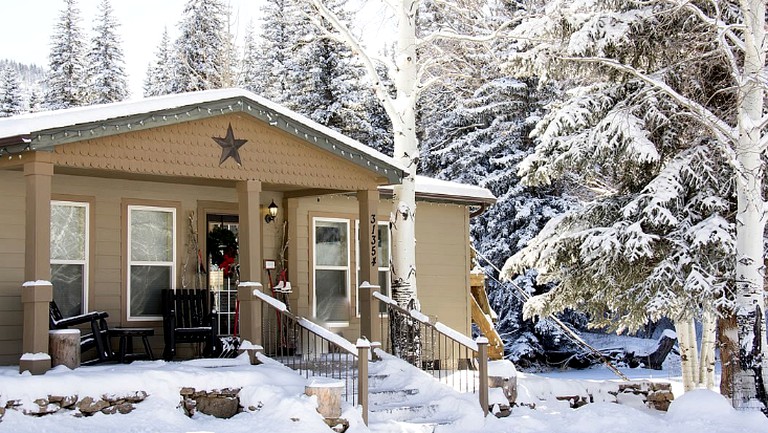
223 268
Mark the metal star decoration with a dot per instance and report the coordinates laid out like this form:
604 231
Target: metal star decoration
230 146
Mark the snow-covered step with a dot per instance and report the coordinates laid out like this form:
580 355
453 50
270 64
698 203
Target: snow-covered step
385 395
404 399
403 411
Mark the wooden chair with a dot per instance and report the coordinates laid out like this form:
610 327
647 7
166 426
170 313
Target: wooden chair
97 338
189 317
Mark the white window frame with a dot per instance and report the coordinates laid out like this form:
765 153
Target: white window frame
87 251
386 269
172 264
316 267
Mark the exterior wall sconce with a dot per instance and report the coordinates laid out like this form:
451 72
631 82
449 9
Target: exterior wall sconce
272 208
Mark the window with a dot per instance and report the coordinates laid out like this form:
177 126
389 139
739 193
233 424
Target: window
331 270
69 256
151 259
383 260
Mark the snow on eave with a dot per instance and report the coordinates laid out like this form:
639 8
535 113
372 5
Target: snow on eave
47 129
430 189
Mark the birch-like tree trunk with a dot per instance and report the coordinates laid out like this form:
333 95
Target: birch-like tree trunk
707 353
698 362
401 109
749 385
689 356
406 151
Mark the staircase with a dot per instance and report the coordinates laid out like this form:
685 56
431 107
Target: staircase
404 399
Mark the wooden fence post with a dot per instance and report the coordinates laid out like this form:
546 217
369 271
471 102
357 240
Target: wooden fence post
482 360
363 348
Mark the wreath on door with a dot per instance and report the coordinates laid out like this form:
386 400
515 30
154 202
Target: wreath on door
222 249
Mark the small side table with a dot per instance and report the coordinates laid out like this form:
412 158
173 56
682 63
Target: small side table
125 351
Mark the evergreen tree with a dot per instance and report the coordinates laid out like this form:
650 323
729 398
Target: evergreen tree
159 79
203 52
250 64
66 75
279 38
11 101
106 74
658 130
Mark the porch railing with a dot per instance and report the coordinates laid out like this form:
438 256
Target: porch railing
448 355
312 350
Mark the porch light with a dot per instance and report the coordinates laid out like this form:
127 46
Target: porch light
272 208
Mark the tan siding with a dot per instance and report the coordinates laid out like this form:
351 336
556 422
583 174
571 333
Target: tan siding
12 211
441 249
188 149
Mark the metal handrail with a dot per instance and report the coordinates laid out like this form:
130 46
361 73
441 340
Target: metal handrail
435 348
308 348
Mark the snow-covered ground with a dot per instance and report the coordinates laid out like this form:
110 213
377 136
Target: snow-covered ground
277 395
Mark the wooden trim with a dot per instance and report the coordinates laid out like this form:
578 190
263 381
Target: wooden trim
124 203
91 200
350 218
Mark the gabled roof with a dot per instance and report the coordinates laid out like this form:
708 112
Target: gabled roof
45 130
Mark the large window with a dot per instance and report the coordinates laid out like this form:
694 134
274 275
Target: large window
69 256
151 259
331 270
383 260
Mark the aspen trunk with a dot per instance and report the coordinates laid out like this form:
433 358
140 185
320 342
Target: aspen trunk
707 353
403 224
688 352
749 392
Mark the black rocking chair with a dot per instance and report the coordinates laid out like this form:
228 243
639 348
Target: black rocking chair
97 338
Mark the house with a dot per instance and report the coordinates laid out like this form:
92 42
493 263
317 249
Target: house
112 203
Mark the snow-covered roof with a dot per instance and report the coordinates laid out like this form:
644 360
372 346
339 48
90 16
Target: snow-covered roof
47 129
431 189
44 130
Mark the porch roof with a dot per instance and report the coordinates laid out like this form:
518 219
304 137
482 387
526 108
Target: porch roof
437 190
48 129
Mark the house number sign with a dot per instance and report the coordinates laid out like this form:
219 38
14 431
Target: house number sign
374 241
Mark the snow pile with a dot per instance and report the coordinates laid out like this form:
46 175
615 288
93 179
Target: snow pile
280 406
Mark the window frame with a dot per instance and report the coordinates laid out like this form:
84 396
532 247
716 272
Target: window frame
316 267
85 262
387 269
130 263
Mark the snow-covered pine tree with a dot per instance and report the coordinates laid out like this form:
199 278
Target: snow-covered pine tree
159 79
480 142
661 130
65 82
11 100
327 82
251 61
202 52
106 74
279 37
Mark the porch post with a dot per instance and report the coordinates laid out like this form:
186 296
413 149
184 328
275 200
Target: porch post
37 255
248 195
368 202
37 291
250 312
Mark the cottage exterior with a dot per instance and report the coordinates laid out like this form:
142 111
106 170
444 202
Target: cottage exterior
112 203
